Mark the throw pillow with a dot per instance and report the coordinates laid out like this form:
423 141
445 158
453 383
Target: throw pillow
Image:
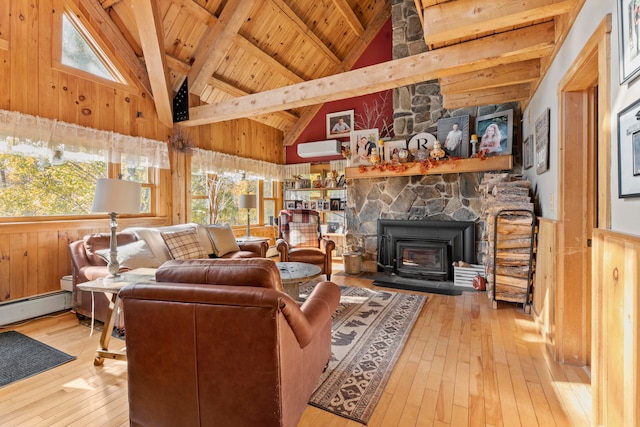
133 255
184 244
302 235
223 239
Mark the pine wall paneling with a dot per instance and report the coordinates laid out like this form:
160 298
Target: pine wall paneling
616 329
544 290
34 256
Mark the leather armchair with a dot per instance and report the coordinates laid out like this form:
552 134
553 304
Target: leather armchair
300 240
218 342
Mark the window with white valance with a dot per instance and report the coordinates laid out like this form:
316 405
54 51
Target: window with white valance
48 168
53 139
205 161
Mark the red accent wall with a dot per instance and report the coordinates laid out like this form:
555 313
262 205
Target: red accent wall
378 51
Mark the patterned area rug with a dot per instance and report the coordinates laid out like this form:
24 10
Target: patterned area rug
23 357
370 328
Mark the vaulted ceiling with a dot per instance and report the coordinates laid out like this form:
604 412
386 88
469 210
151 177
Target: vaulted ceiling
277 61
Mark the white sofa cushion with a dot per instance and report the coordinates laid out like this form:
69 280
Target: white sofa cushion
133 255
156 243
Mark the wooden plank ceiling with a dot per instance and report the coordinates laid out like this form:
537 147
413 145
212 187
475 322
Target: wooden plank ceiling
277 61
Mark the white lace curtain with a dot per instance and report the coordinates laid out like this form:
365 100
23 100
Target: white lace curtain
206 161
41 137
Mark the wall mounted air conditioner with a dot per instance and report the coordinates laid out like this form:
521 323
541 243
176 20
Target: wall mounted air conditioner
330 147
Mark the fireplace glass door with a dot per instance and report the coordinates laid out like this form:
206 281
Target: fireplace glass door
428 260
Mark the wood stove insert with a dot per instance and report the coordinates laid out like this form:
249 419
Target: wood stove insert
424 249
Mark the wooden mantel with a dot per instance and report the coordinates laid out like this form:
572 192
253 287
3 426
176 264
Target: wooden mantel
494 163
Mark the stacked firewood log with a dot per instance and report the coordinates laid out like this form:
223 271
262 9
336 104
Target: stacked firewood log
508 241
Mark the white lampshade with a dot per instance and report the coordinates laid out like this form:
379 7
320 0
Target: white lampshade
116 195
247 201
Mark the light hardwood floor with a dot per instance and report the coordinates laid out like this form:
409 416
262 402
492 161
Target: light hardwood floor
464 364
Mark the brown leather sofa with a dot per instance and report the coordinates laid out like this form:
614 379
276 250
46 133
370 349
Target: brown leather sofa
87 264
219 343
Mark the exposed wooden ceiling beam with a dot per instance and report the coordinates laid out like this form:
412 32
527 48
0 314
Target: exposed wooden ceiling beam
463 18
498 95
502 75
382 15
306 31
349 16
237 93
151 35
104 24
217 42
183 68
108 3
521 44
198 12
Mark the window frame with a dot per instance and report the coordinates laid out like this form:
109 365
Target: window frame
260 201
82 24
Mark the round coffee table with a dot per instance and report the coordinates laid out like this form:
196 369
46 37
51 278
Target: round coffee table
295 273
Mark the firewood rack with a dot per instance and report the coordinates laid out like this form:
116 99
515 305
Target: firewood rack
527 294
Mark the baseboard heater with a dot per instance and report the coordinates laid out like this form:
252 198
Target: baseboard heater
28 308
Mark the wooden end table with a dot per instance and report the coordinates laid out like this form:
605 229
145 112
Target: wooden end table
293 274
112 287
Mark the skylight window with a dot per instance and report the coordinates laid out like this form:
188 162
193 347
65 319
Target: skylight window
80 51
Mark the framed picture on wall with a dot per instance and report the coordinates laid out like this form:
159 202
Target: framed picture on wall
629 45
542 141
339 124
495 133
527 152
453 134
629 151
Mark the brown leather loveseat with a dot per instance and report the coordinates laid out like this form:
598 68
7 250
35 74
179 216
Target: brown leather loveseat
219 343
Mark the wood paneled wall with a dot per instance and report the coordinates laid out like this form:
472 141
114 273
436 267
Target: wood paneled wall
616 329
244 138
615 350
544 290
34 256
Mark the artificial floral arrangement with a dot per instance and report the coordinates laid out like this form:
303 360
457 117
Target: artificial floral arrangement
425 164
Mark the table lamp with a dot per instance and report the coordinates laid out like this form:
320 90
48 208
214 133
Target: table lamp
116 196
248 201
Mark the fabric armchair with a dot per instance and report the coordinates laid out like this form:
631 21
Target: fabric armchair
231 348
300 240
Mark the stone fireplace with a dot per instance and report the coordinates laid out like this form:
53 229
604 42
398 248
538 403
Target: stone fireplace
424 249
447 198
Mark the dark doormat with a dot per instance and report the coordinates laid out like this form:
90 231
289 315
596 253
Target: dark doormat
23 357
420 285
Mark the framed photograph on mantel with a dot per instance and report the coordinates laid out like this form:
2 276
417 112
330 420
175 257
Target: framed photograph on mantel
363 143
629 41
339 124
453 134
629 151
495 133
